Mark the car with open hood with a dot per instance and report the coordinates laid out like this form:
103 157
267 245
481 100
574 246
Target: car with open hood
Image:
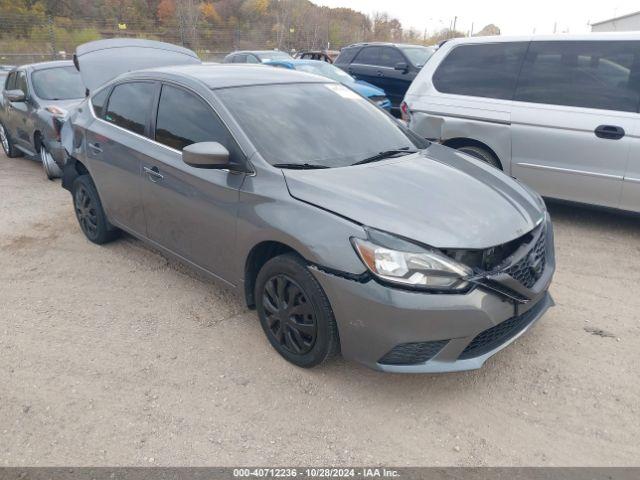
33 107
404 255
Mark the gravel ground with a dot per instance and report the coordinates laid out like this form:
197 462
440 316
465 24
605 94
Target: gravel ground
116 356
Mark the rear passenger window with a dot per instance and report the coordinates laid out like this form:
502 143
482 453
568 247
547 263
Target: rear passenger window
391 57
369 56
602 75
481 70
130 105
184 119
98 101
346 56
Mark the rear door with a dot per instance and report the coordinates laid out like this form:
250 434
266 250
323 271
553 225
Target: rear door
575 112
191 211
117 146
631 184
366 65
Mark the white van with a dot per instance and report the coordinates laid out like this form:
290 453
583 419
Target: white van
558 112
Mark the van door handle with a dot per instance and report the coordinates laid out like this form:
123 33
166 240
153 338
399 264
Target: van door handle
153 173
95 147
609 132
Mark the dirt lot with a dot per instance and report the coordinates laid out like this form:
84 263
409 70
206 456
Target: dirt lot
115 356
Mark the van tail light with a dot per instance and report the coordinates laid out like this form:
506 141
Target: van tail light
405 112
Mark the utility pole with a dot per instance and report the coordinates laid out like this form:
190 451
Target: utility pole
455 20
471 31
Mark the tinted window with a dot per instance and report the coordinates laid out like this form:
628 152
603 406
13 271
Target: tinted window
21 82
184 119
369 56
346 56
98 102
129 106
603 75
390 57
326 124
252 59
484 70
63 83
240 58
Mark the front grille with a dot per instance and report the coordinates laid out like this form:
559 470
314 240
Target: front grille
530 268
495 336
412 353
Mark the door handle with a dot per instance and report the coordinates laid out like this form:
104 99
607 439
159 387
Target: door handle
609 132
153 173
379 73
95 147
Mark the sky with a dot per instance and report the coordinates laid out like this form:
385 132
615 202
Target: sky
513 17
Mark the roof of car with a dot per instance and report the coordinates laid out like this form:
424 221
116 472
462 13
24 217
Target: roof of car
387 44
236 75
45 65
258 52
547 38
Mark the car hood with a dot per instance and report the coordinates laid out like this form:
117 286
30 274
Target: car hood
367 90
103 60
438 197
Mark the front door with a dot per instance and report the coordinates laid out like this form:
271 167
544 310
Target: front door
117 146
191 211
22 115
575 112
631 184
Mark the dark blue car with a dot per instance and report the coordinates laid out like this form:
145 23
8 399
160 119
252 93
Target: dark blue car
324 69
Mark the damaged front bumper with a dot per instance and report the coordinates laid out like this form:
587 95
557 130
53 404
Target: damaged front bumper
396 330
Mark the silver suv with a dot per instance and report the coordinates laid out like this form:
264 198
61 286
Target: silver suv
559 113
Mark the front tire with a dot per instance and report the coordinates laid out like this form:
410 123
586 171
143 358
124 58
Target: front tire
49 165
481 154
7 144
89 212
295 313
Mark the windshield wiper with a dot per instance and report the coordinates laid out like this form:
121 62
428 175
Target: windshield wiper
386 154
300 166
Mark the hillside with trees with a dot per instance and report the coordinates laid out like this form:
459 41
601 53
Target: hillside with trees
55 27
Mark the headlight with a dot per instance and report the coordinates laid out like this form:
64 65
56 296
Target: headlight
404 263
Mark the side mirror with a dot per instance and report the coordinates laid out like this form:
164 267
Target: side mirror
14 95
211 155
402 67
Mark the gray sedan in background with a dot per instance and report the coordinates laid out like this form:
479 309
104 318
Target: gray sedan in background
404 255
33 106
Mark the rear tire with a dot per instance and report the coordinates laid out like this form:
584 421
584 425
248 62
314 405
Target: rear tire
481 154
7 144
89 212
295 313
49 165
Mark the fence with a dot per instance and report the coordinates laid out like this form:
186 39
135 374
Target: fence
33 38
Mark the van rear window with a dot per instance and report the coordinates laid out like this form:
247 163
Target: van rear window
481 70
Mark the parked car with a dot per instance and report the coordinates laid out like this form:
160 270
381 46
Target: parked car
33 107
391 67
559 113
317 67
256 56
328 56
404 255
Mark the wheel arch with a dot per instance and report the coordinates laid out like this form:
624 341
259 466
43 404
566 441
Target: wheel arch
73 168
260 254
459 142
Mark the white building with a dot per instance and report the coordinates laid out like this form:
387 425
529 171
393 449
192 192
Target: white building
625 23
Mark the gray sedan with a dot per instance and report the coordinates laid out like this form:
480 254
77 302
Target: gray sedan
33 108
345 231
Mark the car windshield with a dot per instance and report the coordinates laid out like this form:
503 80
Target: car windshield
274 55
61 83
326 70
418 55
315 123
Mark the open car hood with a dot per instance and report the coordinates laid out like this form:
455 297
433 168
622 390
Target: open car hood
439 197
103 60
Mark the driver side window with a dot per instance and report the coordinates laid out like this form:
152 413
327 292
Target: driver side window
21 83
